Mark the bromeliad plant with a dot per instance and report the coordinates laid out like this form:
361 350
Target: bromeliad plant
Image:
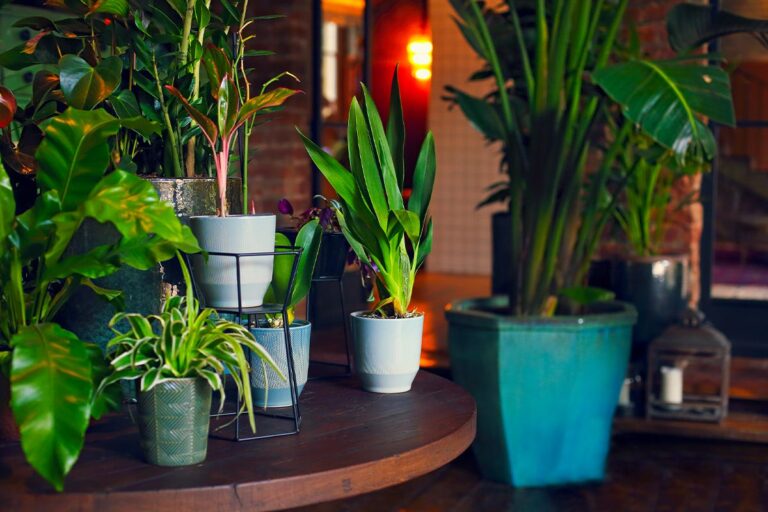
232 111
544 110
184 341
308 240
51 371
384 233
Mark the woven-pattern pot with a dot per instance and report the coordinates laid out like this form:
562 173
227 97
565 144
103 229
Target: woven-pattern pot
173 422
273 340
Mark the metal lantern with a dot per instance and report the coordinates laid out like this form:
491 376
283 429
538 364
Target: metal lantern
688 372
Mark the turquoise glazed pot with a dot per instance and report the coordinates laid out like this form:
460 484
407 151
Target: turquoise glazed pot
173 422
273 340
546 389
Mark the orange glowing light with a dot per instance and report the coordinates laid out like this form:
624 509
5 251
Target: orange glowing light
420 57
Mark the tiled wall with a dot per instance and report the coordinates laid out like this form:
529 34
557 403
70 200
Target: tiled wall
465 163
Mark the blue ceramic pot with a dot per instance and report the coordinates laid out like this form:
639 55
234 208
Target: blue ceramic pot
273 340
546 389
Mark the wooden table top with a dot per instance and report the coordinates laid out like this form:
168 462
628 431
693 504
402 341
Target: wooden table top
351 442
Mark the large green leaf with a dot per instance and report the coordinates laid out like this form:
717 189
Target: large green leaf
384 156
423 179
74 154
666 97
396 130
143 253
35 227
482 114
51 397
7 205
308 239
118 7
84 86
135 209
689 26
373 192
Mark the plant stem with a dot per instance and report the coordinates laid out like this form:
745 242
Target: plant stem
177 170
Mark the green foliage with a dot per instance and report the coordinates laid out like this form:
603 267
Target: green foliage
543 110
308 240
52 372
690 26
184 341
385 235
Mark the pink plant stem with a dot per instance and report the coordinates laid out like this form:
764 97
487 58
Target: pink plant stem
222 167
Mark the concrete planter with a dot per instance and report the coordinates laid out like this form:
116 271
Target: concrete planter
217 278
386 351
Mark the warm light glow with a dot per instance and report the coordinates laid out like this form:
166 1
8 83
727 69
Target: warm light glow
420 57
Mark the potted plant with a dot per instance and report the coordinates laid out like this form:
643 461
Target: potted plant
217 277
545 363
271 333
178 358
388 236
332 258
51 371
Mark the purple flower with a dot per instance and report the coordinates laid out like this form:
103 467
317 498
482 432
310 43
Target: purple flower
285 207
326 218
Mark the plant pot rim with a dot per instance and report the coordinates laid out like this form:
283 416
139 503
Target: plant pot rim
297 324
235 216
683 258
184 178
358 314
468 312
171 379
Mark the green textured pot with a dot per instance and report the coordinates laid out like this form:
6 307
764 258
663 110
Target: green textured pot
546 388
173 422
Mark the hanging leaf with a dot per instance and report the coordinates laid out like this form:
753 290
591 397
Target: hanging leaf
7 107
84 86
666 97
690 26
51 393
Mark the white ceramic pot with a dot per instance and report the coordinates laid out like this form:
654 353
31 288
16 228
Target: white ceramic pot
241 234
387 351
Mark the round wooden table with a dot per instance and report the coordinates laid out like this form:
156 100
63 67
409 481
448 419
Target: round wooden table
351 442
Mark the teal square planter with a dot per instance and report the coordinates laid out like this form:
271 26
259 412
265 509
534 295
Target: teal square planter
546 389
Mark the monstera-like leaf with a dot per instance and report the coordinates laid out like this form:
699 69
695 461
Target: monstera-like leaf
667 99
85 86
51 399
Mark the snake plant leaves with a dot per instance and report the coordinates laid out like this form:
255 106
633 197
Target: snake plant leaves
7 205
396 130
666 99
74 154
52 389
690 26
84 87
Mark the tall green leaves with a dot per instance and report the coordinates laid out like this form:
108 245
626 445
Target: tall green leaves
371 211
7 205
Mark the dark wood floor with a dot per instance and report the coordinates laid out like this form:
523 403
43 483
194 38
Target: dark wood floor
645 474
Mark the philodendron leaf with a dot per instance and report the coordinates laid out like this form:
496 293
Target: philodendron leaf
74 154
118 7
84 86
7 205
665 98
135 209
51 397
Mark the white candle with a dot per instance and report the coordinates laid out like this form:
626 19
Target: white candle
671 385
624 394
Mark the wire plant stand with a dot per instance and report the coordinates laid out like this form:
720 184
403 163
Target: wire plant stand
347 366
251 316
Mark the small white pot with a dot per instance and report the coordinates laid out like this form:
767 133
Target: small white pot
241 234
387 351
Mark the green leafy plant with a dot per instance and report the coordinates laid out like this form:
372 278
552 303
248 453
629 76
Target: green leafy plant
690 26
385 234
308 240
51 371
232 112
544 110
184 341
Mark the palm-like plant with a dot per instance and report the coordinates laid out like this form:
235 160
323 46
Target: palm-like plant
545 111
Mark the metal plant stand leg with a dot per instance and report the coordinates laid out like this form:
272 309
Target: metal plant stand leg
344 321
252 314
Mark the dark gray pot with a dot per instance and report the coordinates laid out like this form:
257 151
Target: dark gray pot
173 419
86 314
658 288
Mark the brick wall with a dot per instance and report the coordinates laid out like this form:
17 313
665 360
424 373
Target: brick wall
279 166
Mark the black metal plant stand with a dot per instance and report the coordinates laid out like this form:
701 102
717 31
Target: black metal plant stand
252 314
338 279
